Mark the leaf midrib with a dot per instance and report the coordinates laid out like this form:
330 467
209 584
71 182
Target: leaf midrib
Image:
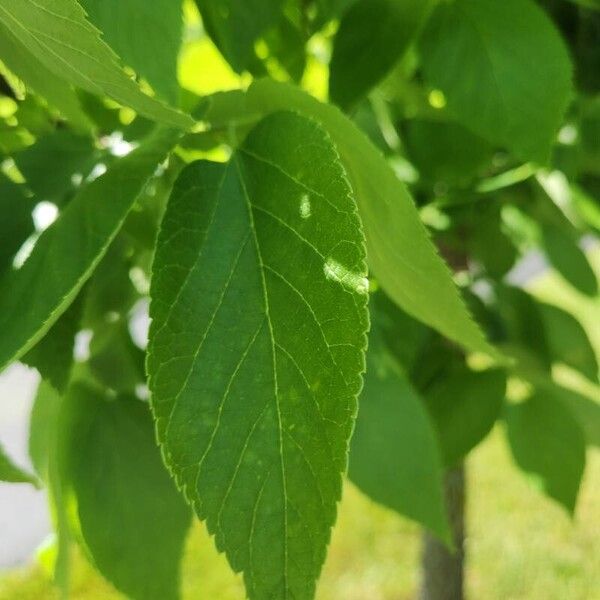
274 365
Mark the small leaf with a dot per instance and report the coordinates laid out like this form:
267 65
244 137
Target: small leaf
146 35
33 297
373 35
9 472
43 451
394 455
568 341
133 520
259 315
479 52
63 41
464 407
547 442
569 260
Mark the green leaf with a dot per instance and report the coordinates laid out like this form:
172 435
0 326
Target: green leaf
33 297
234 26
64 42
523 324
568 341
479 54
41 80
49 165
394 454
146 35
585 410
399 250
464 407
445 151
110 291
133 520
9 472
547 442
16 229
330 9
43 451
569 260
42 428
52 356
373 35
259 315
114 359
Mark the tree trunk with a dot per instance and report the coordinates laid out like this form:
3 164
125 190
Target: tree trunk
442 570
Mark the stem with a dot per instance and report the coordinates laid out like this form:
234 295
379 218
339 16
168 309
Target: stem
443 569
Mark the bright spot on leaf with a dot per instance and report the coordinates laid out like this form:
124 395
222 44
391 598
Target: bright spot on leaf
337 272
305 208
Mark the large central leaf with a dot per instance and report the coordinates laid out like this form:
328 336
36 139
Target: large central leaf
259 308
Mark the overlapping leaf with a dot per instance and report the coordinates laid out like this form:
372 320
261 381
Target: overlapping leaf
34 296
235 25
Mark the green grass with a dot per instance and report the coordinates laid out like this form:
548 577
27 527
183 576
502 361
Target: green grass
521 546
